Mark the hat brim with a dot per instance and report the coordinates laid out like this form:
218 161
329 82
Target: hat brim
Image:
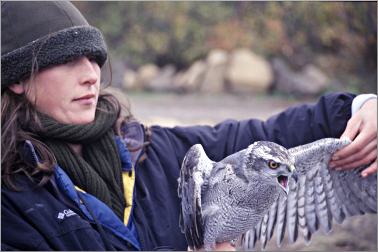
53 49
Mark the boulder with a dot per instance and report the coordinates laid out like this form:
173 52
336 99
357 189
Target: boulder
217 57
319 79
248 72
189 80
145 74
213 78
163 80
310 81
129 80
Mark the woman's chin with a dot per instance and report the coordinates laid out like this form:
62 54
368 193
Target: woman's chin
84 120
81 118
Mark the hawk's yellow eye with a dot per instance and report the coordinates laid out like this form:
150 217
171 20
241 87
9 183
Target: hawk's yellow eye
273 165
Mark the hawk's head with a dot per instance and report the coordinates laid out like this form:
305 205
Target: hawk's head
271 161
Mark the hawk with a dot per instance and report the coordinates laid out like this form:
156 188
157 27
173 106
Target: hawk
251 193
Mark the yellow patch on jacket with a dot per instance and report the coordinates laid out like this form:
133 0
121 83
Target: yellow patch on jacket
128 188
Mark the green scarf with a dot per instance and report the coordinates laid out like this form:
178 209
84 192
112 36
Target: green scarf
98 171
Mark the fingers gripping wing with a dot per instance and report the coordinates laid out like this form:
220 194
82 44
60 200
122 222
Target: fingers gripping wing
319 196
195 170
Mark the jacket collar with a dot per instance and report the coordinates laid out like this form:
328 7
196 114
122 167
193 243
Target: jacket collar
29 154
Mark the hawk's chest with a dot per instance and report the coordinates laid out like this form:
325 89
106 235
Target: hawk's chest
228 189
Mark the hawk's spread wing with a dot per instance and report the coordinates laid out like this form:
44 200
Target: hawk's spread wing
194 174
320 195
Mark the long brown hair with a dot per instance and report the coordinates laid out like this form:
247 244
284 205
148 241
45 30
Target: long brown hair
16 112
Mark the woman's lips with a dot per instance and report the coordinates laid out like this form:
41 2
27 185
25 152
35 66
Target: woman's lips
86 99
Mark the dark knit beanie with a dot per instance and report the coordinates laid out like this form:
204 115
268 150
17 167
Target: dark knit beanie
43 34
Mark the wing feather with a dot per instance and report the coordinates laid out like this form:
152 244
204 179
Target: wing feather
292 209
248 240
352 206
358 195
301 209
281 220
269 221
194 174
322 211
367 192
333 202
264 227
310 214
272 219
258 229
337 178
320 196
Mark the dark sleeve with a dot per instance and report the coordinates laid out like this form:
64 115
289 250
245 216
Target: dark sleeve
295 126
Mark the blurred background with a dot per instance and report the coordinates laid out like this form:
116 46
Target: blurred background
185 63
266 55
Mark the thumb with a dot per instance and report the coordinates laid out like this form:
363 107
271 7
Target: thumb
352 127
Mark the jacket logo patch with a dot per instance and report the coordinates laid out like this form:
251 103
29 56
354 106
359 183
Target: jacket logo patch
66 213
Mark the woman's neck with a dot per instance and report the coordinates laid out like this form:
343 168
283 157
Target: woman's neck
76 148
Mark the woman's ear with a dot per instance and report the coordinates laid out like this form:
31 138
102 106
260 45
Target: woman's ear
17 88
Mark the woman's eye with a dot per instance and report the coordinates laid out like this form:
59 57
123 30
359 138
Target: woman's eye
272 164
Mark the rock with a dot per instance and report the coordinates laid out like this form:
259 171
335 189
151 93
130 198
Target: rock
283 76
163 81
129 80
248 72
217 57
145 74
213 78
189 81
311 81
319 78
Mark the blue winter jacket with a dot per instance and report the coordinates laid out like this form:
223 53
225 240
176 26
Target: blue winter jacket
59 216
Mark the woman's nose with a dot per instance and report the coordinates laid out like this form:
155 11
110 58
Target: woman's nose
89 71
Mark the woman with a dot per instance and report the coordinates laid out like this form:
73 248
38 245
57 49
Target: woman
77 175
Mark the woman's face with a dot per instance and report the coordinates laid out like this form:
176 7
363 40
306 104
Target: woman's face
68 92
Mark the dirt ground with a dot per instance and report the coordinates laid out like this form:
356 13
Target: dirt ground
184 110
356 233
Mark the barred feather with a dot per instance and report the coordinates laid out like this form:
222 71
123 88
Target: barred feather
263 235
333 202
281 220
292 212
301 209
272 219
321 205
310 213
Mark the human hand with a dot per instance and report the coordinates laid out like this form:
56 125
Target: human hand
362 130
224 246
